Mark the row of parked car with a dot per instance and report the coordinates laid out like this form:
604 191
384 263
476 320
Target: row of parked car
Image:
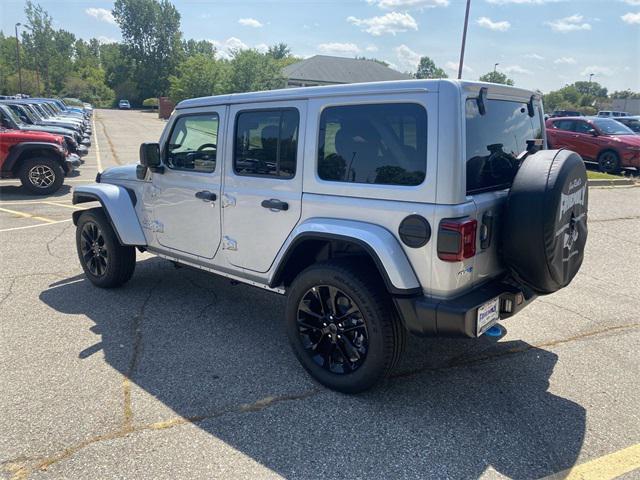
612 142
42 140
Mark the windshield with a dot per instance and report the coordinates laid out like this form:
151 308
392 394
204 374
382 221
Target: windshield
495 139
633 124
608 126
24 111
11 114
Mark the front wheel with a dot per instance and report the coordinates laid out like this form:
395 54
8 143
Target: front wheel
342 326
106 263
41 175
609 162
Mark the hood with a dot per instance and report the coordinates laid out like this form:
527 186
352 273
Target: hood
125 172
18 136
47 129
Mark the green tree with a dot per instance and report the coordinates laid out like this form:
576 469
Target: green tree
381 62
625 94
192 47
428 69
279 51
496 77
37 43
591 88
252 71
198 76
152 42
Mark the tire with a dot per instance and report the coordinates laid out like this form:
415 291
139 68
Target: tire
545 225
41 175
353 352
105 262
609 162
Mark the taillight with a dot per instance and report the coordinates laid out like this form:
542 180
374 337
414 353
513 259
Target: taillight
457 239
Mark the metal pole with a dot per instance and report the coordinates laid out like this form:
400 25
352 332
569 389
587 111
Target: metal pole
18 58
495 66
464 39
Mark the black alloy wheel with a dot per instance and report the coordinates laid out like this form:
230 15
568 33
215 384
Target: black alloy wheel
93 249
332 329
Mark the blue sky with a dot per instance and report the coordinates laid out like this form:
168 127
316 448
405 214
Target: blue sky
541 44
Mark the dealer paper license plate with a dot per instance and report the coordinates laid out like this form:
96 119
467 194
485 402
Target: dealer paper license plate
488 314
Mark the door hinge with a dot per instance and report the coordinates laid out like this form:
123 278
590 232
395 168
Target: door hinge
229 244
228 201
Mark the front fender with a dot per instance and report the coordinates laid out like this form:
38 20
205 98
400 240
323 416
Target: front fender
118 204
379 242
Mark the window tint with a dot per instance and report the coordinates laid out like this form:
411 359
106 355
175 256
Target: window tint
582 127
567 125
193 143
380 144
266 143
495 139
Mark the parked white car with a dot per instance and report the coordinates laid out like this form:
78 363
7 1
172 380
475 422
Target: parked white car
423 206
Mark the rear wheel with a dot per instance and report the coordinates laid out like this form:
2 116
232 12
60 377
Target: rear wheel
106 263
609 162
41 175
343 330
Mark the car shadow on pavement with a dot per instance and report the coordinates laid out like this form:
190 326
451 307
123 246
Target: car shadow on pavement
18 192
217 354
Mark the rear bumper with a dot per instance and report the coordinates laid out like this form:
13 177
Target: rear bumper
456 317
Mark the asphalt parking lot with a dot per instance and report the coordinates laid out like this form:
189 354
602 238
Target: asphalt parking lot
182 375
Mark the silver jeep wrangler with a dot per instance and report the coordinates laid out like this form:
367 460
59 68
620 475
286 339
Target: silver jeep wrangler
423 206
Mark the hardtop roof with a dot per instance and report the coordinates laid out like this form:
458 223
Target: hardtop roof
396 86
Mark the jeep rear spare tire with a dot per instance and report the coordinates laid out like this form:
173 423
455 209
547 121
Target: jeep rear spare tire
545 228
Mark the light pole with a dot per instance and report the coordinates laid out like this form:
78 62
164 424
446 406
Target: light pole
590 76
18 57
495 66
464 39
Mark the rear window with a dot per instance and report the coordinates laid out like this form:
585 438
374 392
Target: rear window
495 139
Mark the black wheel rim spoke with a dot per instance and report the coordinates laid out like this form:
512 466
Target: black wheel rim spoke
93 249
332 329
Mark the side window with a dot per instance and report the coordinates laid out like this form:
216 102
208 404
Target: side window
266 143
582 127
567 125
193 143
379 143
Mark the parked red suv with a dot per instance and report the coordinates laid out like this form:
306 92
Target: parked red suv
40 160
596 139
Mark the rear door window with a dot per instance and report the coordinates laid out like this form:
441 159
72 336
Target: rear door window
495 139
567 125
374 143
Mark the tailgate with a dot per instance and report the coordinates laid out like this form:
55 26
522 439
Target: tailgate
487 263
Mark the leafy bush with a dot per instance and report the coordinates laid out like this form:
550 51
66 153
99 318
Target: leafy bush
150 102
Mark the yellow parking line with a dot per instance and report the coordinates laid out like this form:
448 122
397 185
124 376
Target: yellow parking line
28 215
607 467
74 207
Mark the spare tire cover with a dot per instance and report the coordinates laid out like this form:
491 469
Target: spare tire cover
545 228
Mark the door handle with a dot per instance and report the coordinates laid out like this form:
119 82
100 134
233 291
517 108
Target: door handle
275 204
206 195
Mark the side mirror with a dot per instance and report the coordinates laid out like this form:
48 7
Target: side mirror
150 157
593 132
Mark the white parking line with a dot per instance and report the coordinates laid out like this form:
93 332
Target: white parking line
34 226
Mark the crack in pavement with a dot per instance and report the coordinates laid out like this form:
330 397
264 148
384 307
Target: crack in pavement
56 238
20 471
111 146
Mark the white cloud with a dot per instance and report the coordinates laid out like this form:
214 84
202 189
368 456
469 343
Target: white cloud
262 47
486 22
371 48
633 3
392 22
250 22
569 24
534 56
226 48
408 4
339 48
102 39
522 2
516 69
407 59
101 14
565 61
597 70
631 18
453 66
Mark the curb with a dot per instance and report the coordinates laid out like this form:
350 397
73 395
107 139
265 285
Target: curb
602 182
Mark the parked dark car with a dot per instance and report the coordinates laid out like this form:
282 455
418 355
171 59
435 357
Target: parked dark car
633 122
565 113
596 139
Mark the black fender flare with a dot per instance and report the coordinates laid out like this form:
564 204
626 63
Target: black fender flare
16 152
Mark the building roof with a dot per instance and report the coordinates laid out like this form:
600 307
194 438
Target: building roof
327 69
